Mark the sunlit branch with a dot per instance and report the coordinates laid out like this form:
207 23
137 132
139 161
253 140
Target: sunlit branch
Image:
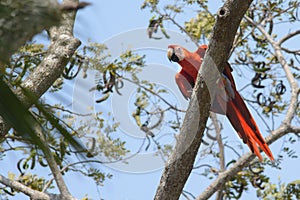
283 129
215 122
243 162
289 75
33 194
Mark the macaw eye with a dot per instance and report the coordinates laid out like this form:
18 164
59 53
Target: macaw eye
178 50
179 53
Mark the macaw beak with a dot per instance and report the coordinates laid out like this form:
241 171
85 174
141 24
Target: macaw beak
170 52
172 56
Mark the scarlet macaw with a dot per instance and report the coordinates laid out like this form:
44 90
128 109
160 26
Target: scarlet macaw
232 104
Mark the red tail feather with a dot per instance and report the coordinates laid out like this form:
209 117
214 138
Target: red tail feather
234 106
245 126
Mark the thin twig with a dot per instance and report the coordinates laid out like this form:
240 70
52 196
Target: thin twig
66 110
288 36
215 122
150 91
289 75
296 52
167 17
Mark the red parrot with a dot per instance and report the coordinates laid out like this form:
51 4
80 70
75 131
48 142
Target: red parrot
231 104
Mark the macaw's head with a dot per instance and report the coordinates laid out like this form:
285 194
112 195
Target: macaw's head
189 61
176 53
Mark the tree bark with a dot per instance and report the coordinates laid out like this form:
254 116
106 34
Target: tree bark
62 47
244 161
34 194
282 130
180 163
20 20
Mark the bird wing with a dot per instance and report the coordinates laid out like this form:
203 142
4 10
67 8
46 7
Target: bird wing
242 120
185 83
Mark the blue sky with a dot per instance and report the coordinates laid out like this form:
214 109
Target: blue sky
104 21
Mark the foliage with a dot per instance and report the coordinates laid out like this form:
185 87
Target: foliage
252 56
280 191
24 62
201 25
111 73
235 187
57 120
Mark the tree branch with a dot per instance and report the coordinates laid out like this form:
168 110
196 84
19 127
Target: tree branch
64 192
63 45
295 52
20 22
243 162
283 129
152 92
33 194
215 122
290 77
181 161
288 36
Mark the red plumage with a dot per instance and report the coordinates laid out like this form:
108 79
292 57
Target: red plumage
233 105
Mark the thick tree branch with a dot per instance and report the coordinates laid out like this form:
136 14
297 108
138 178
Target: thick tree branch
243 162
61 49
295 129
181 161
33 194
20 22
284 128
